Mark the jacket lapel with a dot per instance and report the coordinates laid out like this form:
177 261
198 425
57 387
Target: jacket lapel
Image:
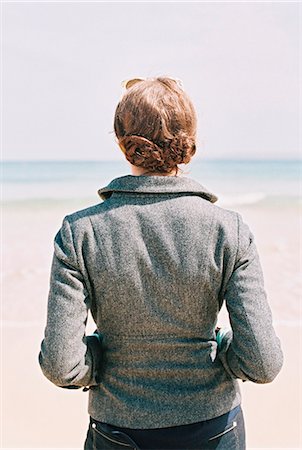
156 184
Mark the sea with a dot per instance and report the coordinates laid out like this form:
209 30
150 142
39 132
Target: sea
38 184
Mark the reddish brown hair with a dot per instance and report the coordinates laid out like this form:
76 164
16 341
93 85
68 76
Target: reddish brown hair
155 124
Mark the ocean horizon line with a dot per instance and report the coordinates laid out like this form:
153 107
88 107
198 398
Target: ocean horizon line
54 179
205 159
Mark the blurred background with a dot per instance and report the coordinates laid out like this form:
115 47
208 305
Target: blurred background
62 67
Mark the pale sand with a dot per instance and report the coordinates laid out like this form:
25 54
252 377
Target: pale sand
38 414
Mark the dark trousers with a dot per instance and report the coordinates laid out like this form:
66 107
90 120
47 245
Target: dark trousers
224 432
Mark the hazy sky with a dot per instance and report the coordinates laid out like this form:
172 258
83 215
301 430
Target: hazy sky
63 63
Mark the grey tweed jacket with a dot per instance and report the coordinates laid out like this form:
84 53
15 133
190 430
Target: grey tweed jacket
154 263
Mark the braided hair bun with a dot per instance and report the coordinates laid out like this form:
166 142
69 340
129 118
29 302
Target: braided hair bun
155 124
163 158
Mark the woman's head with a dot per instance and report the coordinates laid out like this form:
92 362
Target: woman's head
155 124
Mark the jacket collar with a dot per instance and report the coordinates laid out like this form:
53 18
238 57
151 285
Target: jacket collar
156 184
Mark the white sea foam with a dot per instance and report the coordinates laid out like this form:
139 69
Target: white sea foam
248 198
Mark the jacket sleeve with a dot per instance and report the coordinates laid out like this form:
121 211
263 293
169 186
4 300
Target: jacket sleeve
68 358
251 350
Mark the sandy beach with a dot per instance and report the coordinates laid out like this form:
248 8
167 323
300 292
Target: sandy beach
37 414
